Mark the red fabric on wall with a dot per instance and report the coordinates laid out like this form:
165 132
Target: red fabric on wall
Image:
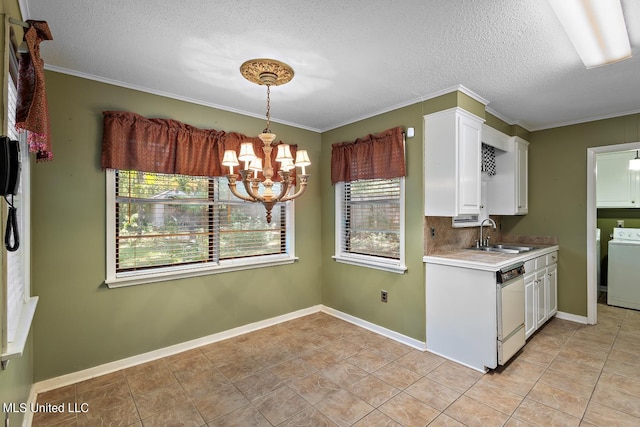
32 112
375 156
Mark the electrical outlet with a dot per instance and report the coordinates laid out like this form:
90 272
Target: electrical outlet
383 296
620 223
433 232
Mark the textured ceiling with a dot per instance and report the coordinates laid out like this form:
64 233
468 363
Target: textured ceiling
352 59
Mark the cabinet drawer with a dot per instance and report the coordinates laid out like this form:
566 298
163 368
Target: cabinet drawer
541 262
530 266
552 258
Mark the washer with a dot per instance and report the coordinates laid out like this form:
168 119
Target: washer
624 268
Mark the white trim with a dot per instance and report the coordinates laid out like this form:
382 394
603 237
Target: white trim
572 317
86 374
458 110
380 330
456 88
144 89
592 221
117 365
174 273
473 95
590 119
16 347
495 138
19 331
27 421
459 88
370 262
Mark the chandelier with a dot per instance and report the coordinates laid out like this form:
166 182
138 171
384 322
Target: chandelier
267 72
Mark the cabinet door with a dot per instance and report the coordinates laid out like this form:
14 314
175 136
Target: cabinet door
469 136
529 305
551 286
615 183
452 163
540 298
522 177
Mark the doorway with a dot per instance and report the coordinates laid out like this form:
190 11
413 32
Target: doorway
592 217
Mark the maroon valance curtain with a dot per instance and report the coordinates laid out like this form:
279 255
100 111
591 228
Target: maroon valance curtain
32 111
375 156
133 142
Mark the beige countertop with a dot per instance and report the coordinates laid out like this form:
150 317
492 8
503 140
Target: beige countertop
488 261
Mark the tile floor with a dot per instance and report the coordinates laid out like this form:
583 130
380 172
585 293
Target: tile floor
321 371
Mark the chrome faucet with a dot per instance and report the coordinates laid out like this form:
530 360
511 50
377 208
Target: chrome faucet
483 242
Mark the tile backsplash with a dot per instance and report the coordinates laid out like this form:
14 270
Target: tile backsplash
447 238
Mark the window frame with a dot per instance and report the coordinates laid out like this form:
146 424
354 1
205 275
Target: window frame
151 275
22 320
376 262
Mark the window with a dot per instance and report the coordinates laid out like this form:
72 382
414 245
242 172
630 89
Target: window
368 175
20 306
164 226
370 223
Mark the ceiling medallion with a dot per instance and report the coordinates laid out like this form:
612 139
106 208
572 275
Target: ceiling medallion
266 72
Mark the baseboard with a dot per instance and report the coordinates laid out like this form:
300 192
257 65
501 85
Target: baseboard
86 374
117 365
28 415
411 342
572 317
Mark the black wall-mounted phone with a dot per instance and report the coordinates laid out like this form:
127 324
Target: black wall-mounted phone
9 166
9 180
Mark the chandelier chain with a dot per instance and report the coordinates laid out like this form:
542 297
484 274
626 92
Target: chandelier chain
266 72
268 129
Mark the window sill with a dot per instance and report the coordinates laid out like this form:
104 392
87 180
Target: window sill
371 263
139 278
16 347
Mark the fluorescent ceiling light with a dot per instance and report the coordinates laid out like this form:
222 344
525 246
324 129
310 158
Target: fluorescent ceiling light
596 28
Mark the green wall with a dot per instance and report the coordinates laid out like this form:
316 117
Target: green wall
558 196
79 322
356 290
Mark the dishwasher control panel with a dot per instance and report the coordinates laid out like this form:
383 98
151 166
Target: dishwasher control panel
509 273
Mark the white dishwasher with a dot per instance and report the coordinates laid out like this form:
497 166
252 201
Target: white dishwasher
510 311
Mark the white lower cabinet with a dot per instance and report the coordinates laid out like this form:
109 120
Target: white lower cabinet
540 312
540 290
552 288
529 302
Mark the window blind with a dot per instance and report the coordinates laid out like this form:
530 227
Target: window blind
15 260
371 215
166 220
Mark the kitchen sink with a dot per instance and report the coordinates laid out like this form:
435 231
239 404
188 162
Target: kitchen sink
505 249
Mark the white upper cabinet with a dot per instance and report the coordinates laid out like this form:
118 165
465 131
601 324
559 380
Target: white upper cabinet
616 185
508 189
452 141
